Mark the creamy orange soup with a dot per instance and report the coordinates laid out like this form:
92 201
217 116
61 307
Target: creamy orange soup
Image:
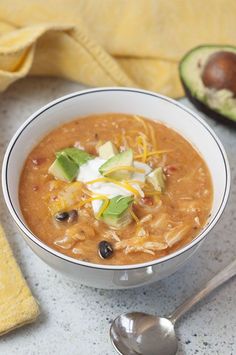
165 191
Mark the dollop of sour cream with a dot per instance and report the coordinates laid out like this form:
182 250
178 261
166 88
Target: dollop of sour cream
90 171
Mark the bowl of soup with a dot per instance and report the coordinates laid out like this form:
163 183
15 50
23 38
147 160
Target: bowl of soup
115 187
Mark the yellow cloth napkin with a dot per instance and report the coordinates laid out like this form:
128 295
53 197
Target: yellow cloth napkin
109 42
17 305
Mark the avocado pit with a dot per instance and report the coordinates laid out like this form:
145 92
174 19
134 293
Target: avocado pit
220 71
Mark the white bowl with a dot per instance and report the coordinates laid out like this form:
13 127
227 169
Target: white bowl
119 100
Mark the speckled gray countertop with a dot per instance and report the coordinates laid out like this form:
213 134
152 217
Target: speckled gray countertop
74 319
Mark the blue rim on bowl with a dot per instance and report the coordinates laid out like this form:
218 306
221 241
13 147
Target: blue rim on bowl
23 227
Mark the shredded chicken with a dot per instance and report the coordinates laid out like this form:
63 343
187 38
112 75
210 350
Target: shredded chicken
111 234
84 213
65 242
80 231
176 234
136 244
146 218
78 145
76 250
197 221
62 197
153 209
96 223
142 233
160 221
155 246
136 249
189 206
134 241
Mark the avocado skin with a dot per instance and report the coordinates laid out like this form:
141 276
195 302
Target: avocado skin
199 104
207 110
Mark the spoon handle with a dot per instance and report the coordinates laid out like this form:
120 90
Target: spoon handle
223 276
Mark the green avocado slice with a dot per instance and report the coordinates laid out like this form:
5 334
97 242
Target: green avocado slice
64 168
79 156
122 159
158 179
67 163
117 213
217 103
107 150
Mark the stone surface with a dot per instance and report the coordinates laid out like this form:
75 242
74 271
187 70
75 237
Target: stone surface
75 319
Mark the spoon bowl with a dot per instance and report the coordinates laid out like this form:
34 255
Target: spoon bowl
140 333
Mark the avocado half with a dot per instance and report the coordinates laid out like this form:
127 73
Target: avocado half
213 97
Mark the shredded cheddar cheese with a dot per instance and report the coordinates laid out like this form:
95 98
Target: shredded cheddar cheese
87 200
123 184
142 122
104 205
98 197
151 193
135 182
153 137
134 215
137 132
87 192
148 129
129 168
155 152
159 152
141 140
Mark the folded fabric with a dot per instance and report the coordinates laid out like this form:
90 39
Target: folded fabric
107 42
17 305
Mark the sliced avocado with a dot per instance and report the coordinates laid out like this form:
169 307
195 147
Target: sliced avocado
79 156
107 150
157 178
64 168
117 213
67 163
118 160
208 74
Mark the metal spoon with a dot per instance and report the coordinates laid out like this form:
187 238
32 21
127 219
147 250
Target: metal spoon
139 333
